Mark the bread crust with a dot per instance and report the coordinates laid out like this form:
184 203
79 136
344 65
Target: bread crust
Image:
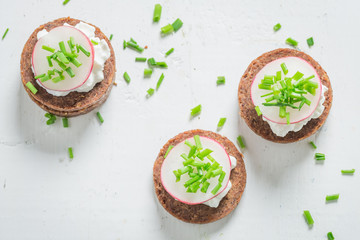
75 103
247 108
201 213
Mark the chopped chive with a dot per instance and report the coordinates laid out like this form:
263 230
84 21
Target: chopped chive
197 142
167 29
169 52
350 171
47 48
111 36
330 236
40 76
52 118
150 92
71 155
133 41
291 42
62 58
161 64
240 142
100 117
196 110
159 81
319 156
221 122
126 77
216 188
313 144
45 78
124 44
259 113
284 68
73 61
81 48
177 24
140 59
310 41
308 217
31 87
332 197
277 27
168 150
287 115
94 42
204 153
220 80
151 62
205 187
65 122
49 61
62 46
6 31
157 12
192 151
65 2
57 79
147 72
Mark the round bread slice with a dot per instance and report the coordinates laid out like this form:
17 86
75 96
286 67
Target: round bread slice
247 108
202 213
75 103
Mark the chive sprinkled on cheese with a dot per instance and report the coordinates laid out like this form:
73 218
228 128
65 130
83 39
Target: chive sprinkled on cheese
168 150
221 122
159 81
310 42
308 217
100 117
257 109
65 122
5 33
94 42
291 42
196 110
333 197
277 27
220 80
47 48
31 87
157 12
241 141
169 52
70 151
126 77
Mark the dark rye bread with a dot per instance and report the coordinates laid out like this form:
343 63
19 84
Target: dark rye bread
75 103
247 108
201 213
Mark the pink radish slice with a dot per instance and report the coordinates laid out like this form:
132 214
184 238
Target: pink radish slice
293 64
52 39
174 161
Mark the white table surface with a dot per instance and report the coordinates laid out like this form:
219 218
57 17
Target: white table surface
106 191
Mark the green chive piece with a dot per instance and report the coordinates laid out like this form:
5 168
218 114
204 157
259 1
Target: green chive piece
157 12
31 87
40 76
51 118
192 151
169 52
204 153
313 144
161 64
150 92
159 81
196 110
291 42
216 188
319 156
167 29
287 115
133 41
284 68
259 113
198 142
221 122
330 236
124 44
205 187
65 122
151 62
147 72
332 197
111 36
49 61
65 2
70 151
310 42
47 48
4 35
100 117
57 79
45 78
168 150
277 27
241 141
350 171
62 46
126 77
220 80
62 58
75 62
81 48
140 59
94 42
70 72
308 217
177 24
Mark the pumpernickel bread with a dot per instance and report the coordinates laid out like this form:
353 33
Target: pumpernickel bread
247 108
75 103
202 213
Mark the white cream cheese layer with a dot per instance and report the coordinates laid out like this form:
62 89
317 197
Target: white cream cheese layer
101 54
216 200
